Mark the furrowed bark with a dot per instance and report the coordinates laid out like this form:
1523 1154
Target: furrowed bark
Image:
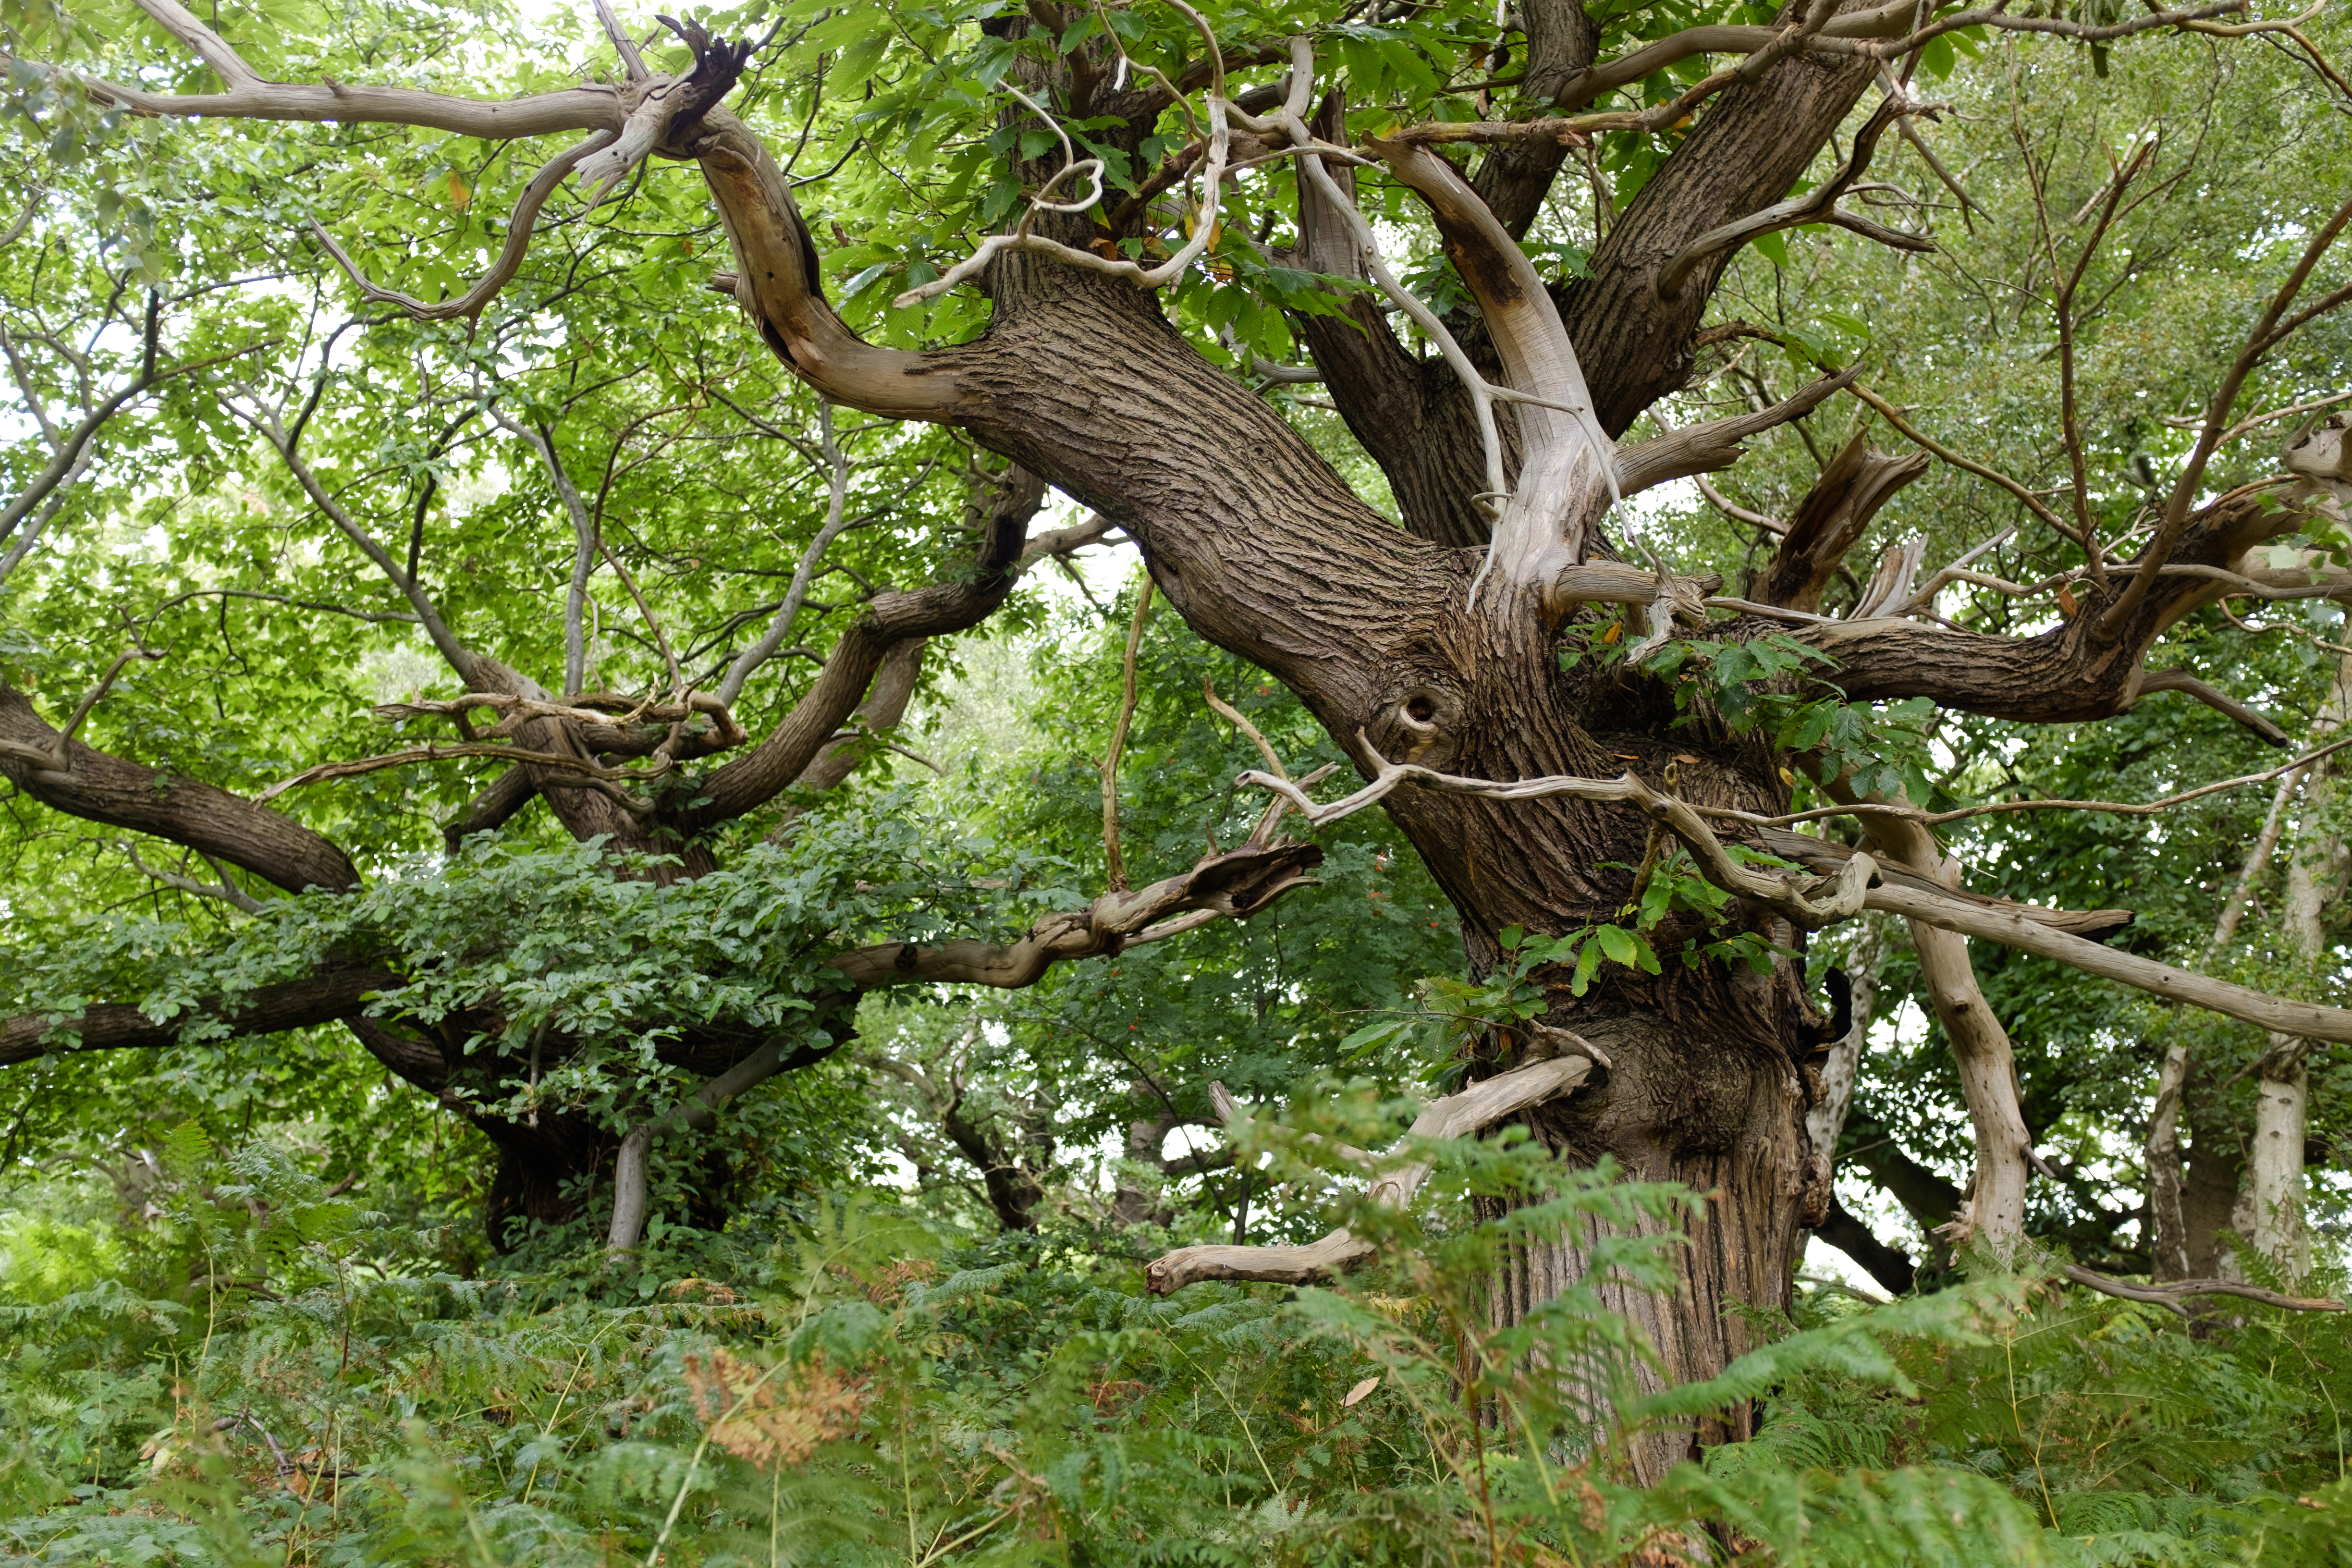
334 993
2078 670
1751 145
98 788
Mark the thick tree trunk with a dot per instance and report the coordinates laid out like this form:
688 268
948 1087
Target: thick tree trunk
1697 1093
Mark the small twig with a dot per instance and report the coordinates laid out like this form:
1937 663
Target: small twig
610 778
1118 866
1937 818
227 891
1234 716
676 680
1894 416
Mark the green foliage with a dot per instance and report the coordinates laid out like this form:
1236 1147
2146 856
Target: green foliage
261 1369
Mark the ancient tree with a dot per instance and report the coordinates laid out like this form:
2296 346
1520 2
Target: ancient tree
1554 715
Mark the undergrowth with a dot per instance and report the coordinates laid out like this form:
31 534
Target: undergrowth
254 1369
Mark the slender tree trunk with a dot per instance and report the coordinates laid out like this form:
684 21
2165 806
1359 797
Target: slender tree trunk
2167 1228
1994 1214
1841 1063
2282 1113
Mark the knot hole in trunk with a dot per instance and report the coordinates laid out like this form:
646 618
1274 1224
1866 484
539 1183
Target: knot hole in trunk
1416 725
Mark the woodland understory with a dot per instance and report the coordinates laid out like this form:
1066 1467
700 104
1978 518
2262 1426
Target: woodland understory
1132 781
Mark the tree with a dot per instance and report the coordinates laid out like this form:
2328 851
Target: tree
1587 759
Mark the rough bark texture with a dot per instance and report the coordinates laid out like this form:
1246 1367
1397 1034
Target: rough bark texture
1830 521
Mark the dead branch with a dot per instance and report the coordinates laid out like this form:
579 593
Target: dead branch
251 97
1234 885
437 752
1234 716
1065 540
1397 1175
2173 1293
519 225
2278 1015
1960 814
607 710
1828 858
1831 519
1702 448
1999 19
1733 510
1824 902
2259 420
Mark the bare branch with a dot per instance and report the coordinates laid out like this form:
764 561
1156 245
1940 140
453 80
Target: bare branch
1239 721
1730 509
2259 420
611 777
2266 334
730 685
542 440
1234 885
519 225
631 60
1397 1175
250 97
2233 908
2174 1292
2307 1019
1894 416
1998 807
1830 521
2180 680
223 890
1816 205
1827 901
645 612
1702 448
